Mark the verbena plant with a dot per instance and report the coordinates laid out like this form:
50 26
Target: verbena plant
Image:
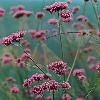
57 60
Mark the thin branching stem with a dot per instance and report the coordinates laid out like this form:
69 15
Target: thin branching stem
34 62
84 8
53 95
77 52
73 64
59 34
96 14
60 38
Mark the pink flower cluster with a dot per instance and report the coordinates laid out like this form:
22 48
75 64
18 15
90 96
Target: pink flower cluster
90 59
51 85
27 50
15 37
19 14
19 11
96 66
78 25
23 58
40 77
75 9
59 67
48 98
15 8
57 6
37 89
2 12
65 85
6 54
52 21
39 97
25 43
36 77
9 79
98 34
66 97
82 18
68 2
39 15
38 34
66 16
20 63
6 58
14 89
79 73
88 49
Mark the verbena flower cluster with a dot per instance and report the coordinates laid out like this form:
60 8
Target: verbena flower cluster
2 12
19 11
38 34
66 16
59 67
35 77
57 6
79 73
51 85
15 37
96 66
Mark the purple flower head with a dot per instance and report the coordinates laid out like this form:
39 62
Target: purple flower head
2 12
15 37
66 16
58 67
57 6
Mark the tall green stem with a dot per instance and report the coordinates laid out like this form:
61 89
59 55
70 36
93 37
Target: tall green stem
96 14
53 95
32 60
73 64
60 39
